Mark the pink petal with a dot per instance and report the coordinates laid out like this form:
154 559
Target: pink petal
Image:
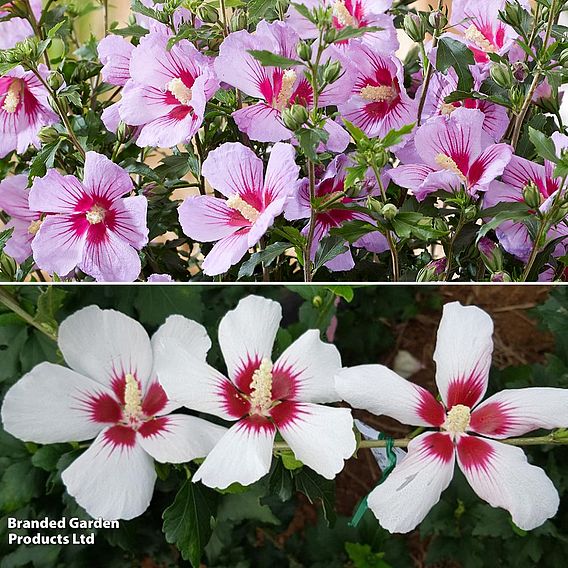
55 193
14 197
243 455
501 475
435 181
320 437
262 122
404 499
281 172
381 391
520 172
130 220
104 178
516 412
114 53
463 354
410 176
489 165
226 253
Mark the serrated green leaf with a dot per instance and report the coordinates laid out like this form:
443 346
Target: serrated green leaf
455 54
317 488
266 256
543 144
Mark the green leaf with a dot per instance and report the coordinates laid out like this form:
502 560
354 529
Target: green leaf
47 457
501 218
49 303
505 206
7 67
155 303
20 483
356 133
246 506
258 8
5 237
188 520
543 144
329 248
411 223
53 31
345 292
269 59
304 11
348 32
453 53
352 231
362 556
317 488
289 460
395 137
281 482
176 166
310 139
44 159
266 256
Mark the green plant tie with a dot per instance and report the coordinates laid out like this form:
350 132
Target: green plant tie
391 456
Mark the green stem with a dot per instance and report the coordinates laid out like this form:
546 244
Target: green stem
535 250
548 440
12 304
450 253
308 274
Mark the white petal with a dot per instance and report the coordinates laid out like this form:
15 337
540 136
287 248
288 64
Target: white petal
313 365
190 381
463 354
47 406
501 475
518 411
320 437
381 391
111 482
415 484
184 331
248 331
102 344
183 439
243 455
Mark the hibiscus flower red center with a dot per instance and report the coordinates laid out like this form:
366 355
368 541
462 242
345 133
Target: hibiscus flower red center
96 214
13 96
260 397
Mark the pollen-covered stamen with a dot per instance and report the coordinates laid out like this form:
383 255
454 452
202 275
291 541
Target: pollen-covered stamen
287 88
132 399
180 91
13 97
34 226
247 211
96 214
379 94
447 163
261 388
457 419
447 109
476 37
341 13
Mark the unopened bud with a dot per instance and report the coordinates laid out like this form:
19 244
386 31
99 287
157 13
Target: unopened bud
330 36
502 75
238 21
289 120
332 72
48 134
560 215
208 14
123 132
375 205
317 301
520 71
470 212
512 14
389 211
501 277
432 271
517 96
438 20
304 51
532 195
379 156
300 113
414 27
490 254
55 80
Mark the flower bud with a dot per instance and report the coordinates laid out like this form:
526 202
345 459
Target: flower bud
414 27
501 277
389 211
238 21
375 205
438 20
432 271
208 14
470 212
332 72
300 113
532 195
517 96
294 117
123 132
330 35
48 134
55 80
520 71
560 215
304 51
378 156
502 75
490 254
512 14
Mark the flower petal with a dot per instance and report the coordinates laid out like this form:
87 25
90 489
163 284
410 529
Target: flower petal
410 176
518 411
233 168
55 193
463 354
184 332
50 405
110 481
501 475
248 332
180 438
320 436
104 178
489 165
262 122
114 53
404 499
309 366
226 253
243 455
105 344
281 172
382 392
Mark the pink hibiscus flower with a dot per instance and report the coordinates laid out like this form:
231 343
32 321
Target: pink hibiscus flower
498 473
252 204
89 224
353 13
24 110
482 31
453 156
15 30
276 88
496 119
331 186
377 100
167 92
520 172
110 393
262 397
14 196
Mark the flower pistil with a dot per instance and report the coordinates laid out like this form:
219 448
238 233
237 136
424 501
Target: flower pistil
261 388
180 91
239 204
